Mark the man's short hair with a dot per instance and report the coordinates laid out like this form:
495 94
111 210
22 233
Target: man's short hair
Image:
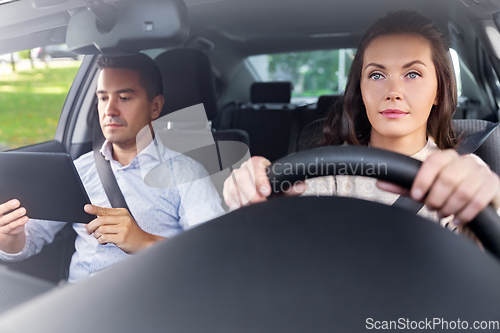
149 74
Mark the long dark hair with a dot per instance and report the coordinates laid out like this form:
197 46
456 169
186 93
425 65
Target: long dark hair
347 120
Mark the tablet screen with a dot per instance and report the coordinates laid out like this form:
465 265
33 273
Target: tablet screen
46 184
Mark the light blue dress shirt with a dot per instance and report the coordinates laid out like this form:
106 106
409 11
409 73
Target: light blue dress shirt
184 198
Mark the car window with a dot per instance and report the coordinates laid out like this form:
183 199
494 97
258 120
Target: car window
313 73
33 88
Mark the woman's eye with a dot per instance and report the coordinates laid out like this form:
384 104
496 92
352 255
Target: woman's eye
413 75
376 76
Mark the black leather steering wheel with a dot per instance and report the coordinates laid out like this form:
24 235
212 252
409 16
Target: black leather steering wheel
360 161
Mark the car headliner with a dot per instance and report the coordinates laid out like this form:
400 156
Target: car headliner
246 27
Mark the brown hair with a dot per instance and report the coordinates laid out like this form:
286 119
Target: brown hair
149 74
347 120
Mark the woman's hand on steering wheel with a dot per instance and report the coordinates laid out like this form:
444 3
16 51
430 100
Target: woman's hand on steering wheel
452 184
250 184
447 183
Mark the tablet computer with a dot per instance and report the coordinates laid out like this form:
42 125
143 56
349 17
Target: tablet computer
46 184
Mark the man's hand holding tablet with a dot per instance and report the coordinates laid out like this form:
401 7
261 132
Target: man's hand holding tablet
12 221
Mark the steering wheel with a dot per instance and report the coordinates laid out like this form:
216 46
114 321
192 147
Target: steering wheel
319 264
360 161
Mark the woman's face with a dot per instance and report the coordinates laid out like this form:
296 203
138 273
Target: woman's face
399 86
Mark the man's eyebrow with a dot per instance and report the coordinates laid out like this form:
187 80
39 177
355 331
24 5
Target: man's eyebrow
121 91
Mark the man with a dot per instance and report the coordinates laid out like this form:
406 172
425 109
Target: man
129 91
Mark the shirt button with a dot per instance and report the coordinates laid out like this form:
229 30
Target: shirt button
92 274
101 250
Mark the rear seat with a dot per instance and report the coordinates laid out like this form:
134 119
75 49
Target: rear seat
273 124
312 126
268 120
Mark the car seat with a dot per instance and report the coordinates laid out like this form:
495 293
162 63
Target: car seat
188 85
188 80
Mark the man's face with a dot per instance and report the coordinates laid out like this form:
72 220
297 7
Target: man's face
124 108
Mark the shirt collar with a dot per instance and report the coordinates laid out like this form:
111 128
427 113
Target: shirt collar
155 149
107 150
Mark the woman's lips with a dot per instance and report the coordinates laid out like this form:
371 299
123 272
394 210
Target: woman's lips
393 113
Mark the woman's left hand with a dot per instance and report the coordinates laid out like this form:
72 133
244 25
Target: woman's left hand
452 184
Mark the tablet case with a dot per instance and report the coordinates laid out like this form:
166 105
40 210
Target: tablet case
46 184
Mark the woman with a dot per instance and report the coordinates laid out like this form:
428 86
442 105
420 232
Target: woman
400 96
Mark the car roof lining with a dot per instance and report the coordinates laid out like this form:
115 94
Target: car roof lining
241 23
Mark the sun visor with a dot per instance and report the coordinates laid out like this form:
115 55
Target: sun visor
127 27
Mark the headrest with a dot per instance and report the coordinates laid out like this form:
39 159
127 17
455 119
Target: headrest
325 102
271 92
187 80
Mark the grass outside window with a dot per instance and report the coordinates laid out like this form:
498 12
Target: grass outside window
31 100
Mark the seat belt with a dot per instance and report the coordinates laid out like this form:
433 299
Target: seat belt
108 180
471 143
467 146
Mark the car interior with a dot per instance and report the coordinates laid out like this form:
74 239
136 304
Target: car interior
204 51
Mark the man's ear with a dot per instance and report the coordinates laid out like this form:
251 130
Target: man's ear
157 104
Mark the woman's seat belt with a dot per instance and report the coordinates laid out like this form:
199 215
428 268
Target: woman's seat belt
467 146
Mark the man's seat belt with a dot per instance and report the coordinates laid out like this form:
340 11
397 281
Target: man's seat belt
106 175
467 146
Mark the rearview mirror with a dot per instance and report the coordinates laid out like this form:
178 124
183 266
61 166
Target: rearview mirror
127 27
